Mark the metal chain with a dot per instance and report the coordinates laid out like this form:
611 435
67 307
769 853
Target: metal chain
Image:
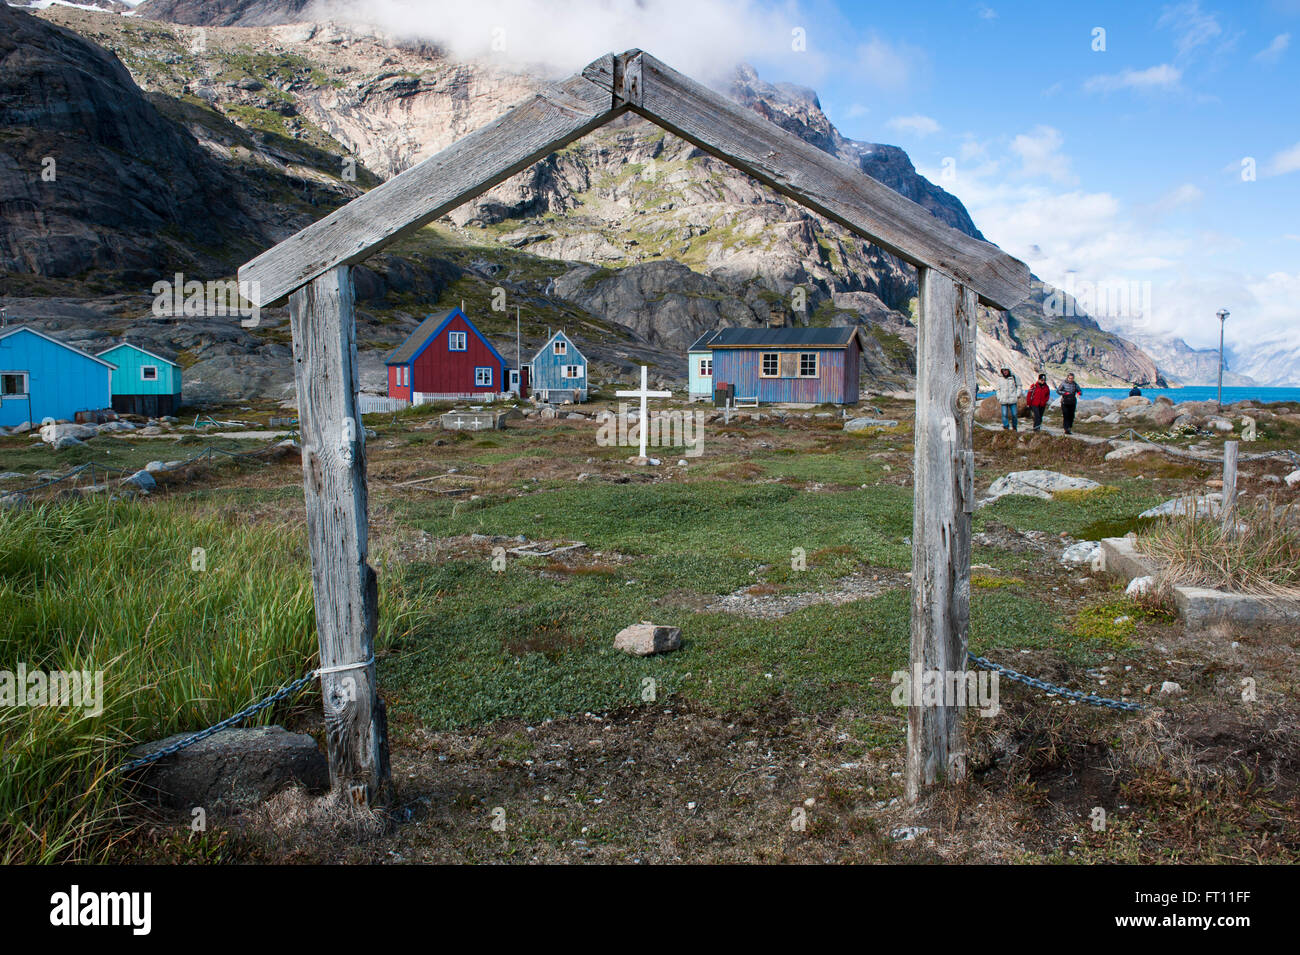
239 717
1089 698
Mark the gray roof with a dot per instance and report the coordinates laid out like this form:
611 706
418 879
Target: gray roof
837 336
414 341
702 343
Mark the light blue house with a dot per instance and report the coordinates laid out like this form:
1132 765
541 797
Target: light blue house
144 383
699 371
41 377
558 372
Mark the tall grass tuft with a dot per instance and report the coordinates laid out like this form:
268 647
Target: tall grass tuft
111 587
1261 555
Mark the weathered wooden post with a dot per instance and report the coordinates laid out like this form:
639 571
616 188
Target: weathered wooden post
1230 449
943 499
334 478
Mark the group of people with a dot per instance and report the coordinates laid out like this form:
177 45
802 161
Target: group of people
1039 396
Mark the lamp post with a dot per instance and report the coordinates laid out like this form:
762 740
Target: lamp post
1223 315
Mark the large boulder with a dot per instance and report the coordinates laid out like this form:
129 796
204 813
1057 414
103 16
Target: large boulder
1042 484
988 410
233 769
1134 401
51 433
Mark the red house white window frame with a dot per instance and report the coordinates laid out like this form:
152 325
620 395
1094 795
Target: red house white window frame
457 341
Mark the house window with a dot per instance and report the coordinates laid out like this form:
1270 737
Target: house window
148 372
456 341
808 364
771 364
571 371
559 347
483 377
13 384
706 367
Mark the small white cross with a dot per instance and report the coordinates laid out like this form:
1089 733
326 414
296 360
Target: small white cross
643 394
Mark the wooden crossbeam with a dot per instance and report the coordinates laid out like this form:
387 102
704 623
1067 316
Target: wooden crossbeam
471 166
818 180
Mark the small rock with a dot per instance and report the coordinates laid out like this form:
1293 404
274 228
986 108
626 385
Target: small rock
1084 552
142 480
645 638
1293 478
153 467
907 833
862 424
1170 688
1139 585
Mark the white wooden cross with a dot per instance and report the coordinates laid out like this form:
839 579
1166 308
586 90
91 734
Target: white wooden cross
643 394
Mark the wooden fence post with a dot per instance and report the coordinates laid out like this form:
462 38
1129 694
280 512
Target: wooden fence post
943 500
334 478
1229 502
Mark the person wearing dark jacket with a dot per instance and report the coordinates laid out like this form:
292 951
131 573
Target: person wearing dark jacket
1069 392
1039 395
1135 392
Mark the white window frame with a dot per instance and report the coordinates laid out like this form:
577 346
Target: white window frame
479 376
571 371
145 368
559 347
454 337
703 363
817 364
27 384
762 361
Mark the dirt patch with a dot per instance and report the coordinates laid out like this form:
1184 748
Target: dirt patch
755 601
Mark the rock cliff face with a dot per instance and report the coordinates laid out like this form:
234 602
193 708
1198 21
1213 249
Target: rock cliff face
91 175
631 234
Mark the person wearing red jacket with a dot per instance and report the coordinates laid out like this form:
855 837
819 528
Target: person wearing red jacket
1039 395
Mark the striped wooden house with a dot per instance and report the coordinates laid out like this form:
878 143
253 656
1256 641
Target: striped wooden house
789 365
558 372
144 383
444 359
699 368
42 377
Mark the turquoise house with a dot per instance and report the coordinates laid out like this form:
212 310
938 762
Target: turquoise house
699 361
41 377
144 383
558 372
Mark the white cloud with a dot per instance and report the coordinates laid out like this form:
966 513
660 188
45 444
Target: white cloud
1184 195
986 13
887 65
1039 151
1273 52
561 38
1191 26
916 125
1288 160
1165 76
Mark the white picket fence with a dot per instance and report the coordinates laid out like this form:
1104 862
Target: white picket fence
369 404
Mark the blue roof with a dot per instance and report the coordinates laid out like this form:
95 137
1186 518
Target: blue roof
427 331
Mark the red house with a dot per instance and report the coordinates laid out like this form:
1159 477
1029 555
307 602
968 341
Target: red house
447 358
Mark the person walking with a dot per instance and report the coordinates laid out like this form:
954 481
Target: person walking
1008 391
1039 395
1069 392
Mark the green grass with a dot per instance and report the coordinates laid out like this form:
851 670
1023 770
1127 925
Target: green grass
110 587
27 456
1086 517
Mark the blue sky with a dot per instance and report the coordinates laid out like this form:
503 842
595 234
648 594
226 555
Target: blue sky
1107 166
1116 165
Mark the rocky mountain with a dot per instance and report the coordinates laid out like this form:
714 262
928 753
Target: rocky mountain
1272 361
632 237
1184 365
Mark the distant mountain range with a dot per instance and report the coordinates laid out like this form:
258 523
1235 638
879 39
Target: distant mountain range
217 144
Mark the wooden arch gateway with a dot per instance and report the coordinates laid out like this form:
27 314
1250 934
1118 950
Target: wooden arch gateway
313 267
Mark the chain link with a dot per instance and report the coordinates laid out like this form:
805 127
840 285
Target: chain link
229 721
1090 698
